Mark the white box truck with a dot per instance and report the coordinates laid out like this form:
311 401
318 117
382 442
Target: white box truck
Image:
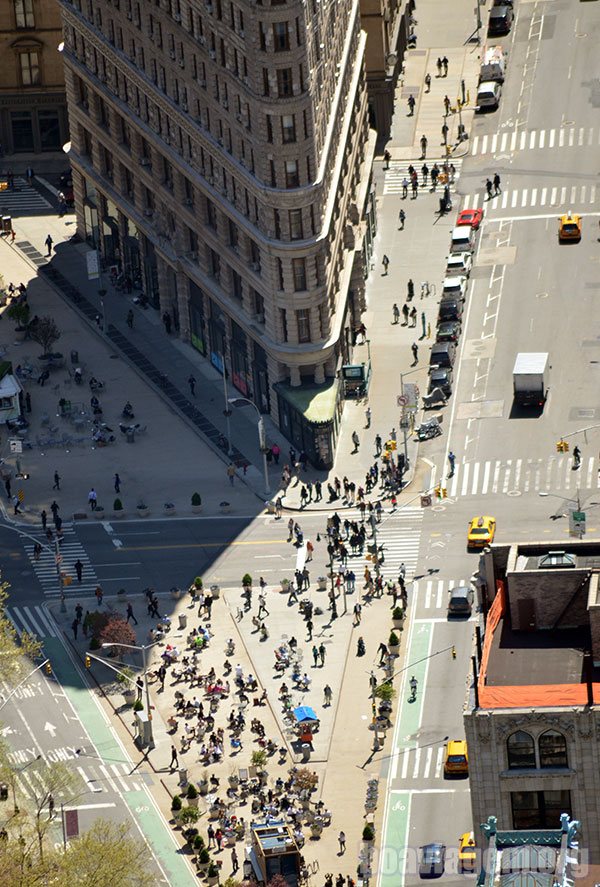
530 378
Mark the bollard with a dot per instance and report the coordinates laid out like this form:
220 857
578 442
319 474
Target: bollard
429 330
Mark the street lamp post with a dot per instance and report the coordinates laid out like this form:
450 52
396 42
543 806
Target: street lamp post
262 441
143 649
227 411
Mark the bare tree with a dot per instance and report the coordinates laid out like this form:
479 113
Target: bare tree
44 331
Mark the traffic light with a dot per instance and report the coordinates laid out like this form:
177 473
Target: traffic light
438 491
48 668
391 445
562 446
88 662
444 492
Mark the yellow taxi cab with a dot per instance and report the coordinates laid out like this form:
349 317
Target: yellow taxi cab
467 853
456 762
482 530
569 227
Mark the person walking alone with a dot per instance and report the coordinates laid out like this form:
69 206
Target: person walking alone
415 350
411 109
130 319
428 82
56 481
192 384
355 441
130 614
497 188
396 313
451 461
423 146
385 262
342 843
79 570
174 759
117 483
48 243
401 219
446 105
368 417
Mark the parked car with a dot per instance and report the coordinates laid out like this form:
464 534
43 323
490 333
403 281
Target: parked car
449 331
471 217
455 287
450 308
432 860
501 19
441 378
488 96
443 354
459 264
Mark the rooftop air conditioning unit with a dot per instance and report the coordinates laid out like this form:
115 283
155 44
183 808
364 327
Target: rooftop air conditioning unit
145 161
212 54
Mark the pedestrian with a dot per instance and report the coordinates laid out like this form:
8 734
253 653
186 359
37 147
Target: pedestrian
428 82
192 384
451 461
396 313
497 188
488 188
378 444
368 417
8 487
425 173
231 473
278 507
328 694
309 628
234 861
402 219
452 173
411 107
50 806
309 550
410 288
402 574
87 621
355 441
445 64
315 655
48 242
15 502
75 627
276 451
423 146
130 614
413 316
415 350
210 833
322 652
99 595
387 157
29 173
435 171
56 481
28 401
445 134
357 612
383 652
92 499
405 313
385 262
37 551
166 319
130 319
79 569
342 843
576 457
44 519
174 759
439 67
446 105
404 187
117 483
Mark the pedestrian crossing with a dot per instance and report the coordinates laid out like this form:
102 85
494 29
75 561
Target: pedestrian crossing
399 170
422 762
97 778
71 550
515 476
33 620
536 139
400 534
568 196
432 594
22 200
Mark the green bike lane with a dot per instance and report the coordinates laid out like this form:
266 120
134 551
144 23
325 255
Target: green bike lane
139 804
394 846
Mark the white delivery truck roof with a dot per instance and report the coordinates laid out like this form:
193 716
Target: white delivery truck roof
530 363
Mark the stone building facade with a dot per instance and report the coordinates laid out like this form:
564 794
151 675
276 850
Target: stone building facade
222 156
387 25
33 107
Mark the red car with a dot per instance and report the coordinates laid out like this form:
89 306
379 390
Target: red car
471 217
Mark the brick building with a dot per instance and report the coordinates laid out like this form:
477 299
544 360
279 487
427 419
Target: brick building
222 155
33 107
532 718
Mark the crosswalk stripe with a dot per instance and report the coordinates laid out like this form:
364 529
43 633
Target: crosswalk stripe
93 787
525 475
561 138
417 762
542 137
475 475
428 758
436 591
494 142
40 624
23 200
543 197
71 551
551 138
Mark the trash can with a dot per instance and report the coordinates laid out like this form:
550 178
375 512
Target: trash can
305 752
442 205
183 620
183 776
130 435
74 356
6 224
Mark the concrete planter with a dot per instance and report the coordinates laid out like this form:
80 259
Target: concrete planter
225 507
398 624
129 697
215 591
142 511
394 649
322 583
285 585
99 512
118 513
196 509
169 510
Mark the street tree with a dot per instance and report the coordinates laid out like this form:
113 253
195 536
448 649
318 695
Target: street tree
45 332
17 654
104 856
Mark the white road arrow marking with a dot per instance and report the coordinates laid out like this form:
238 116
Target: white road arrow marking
117 543
50 728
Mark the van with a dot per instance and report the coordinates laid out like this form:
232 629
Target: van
488 95
459 602
493 64
442 354
463 240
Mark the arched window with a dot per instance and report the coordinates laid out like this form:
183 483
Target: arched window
553 749
521 750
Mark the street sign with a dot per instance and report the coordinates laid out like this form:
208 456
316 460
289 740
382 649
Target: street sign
93 266
71 823
58 558
401 400
411 392
425 501
16 445
577 523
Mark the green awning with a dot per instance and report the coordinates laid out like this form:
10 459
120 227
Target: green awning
316 402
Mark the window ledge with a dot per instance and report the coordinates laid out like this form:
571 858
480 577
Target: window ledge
537 772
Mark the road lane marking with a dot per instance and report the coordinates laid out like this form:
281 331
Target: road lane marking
185 545
88 782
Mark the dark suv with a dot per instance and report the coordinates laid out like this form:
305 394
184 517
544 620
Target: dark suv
450 309
501 19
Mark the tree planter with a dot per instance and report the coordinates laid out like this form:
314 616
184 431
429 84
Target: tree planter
316 830
142 511
203 787
285 585
118 513
322 583
99 512
234 781
214 880
20 333
398 624
225 507
215 591
121 594
196 509
175 593
129 697
169 509
193 802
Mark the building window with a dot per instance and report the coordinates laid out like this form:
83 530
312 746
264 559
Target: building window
553 749
296 230
30 68
299 272
288 128
285 82
24 17
283 319
236 285
211 215
521 750
22 131
531 810
49 125
303 320
292 179
233 235
281 36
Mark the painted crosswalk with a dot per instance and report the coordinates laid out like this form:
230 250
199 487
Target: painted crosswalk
422 762
400 534
528 198
96 776
515 476
432 594
399 170
535 139
22 199
33 620
71 550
